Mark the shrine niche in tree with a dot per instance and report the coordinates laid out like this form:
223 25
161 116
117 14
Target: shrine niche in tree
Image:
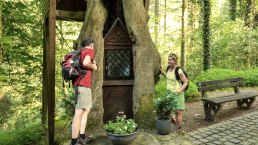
118 53
118 72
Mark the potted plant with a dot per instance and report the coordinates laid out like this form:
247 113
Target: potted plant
164 106
122 131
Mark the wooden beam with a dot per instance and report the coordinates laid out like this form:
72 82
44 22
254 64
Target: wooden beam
70 15
44 73
118 83
45 80
51 70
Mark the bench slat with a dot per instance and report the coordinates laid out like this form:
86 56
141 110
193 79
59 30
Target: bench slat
214 82
219 86
233 97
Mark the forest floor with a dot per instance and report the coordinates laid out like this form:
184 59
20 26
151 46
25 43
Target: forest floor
193 117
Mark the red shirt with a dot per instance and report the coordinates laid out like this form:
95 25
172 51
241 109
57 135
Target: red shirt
86 80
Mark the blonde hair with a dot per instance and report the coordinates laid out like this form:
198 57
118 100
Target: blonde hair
173 56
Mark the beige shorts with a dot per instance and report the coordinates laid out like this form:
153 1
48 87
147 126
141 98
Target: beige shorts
84 98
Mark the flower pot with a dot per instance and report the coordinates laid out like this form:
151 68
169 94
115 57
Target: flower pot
119 139
163 126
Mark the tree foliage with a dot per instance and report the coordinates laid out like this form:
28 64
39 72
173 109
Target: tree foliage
22 39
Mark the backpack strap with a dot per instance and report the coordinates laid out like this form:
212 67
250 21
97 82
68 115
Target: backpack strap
167 69
176 73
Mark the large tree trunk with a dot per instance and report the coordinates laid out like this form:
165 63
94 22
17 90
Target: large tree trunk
147 58
93 26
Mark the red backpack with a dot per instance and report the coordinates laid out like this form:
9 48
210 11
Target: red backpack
71 66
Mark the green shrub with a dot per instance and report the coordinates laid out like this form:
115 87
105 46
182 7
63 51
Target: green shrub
28 136
192 93
215 74
164 105
250 76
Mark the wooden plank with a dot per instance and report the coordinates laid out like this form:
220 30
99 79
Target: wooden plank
51 71
233 97
70 15
44 89
214 82
219 86
118 82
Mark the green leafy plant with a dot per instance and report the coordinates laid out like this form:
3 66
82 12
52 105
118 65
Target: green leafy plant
164 105
121 126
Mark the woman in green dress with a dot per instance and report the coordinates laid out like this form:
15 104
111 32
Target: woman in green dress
176 87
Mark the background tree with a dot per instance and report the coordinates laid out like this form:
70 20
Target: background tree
206 34
165 17
191 24
183 34
156 21
233 9
1 44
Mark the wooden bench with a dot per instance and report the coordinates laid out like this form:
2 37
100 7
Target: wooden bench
213 104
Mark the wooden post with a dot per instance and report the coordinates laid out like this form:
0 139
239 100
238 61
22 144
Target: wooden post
51 71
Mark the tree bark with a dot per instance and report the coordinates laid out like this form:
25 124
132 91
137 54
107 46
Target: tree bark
206 35
156 21
1 34
146 56
165 18
183 35
191 24
93 26
233 9
250 12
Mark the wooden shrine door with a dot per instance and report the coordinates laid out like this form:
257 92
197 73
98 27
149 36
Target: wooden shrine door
118 73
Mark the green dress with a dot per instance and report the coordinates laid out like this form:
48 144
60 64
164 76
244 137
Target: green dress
173 85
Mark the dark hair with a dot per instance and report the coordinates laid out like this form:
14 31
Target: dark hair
86 42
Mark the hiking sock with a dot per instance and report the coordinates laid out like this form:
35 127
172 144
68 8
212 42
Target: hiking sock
73 141
82 136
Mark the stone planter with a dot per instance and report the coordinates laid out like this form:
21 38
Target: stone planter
125 139
163 126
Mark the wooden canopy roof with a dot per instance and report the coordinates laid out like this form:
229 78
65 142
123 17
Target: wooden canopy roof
72 10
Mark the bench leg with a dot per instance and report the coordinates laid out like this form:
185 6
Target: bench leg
245 103
210 110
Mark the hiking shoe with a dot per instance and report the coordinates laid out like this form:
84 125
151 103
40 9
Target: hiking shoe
85 141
